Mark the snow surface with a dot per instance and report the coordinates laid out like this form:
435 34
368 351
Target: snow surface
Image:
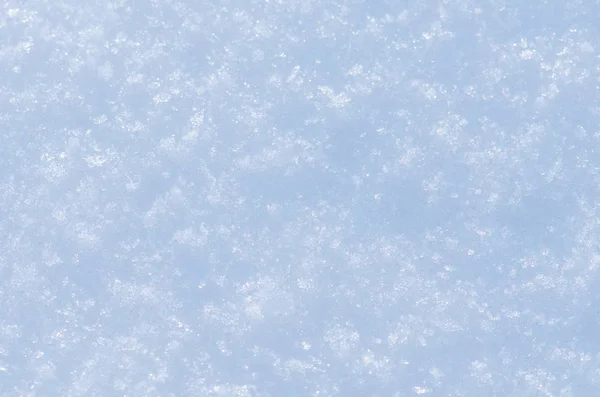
299 198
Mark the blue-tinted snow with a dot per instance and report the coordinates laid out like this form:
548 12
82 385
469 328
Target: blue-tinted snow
299 198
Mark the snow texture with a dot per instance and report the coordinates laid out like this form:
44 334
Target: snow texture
298 198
